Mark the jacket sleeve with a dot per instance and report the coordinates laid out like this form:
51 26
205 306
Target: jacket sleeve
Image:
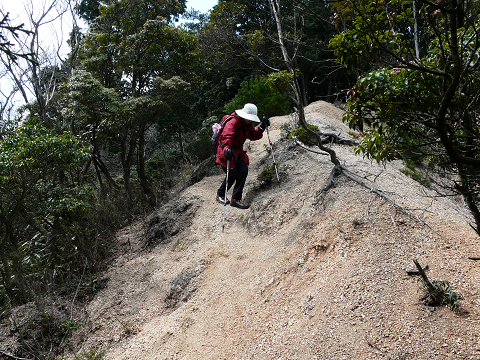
255 133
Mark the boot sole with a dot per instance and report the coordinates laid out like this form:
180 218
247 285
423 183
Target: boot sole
240 207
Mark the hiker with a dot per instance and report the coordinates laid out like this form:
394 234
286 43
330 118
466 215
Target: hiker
236 131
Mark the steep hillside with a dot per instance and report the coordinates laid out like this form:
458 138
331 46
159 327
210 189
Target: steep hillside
302 274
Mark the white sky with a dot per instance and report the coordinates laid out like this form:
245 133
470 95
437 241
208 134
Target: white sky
201 5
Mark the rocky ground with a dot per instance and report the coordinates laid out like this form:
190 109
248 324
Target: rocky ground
302 274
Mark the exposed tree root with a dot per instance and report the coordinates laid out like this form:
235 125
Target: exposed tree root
340 169
334 138
310 149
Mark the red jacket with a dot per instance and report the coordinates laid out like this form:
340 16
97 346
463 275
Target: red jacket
234 135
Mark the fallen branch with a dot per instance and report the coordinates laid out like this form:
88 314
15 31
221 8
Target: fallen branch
373 346
12 356
342 169
352 176
474 258
435 295
416 272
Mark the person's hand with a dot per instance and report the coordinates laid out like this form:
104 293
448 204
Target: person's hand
265 122
228 153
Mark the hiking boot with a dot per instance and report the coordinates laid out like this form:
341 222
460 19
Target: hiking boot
221 199
239 204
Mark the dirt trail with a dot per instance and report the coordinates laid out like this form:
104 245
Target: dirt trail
300 275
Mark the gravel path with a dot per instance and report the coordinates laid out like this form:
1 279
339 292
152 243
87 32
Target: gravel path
300 275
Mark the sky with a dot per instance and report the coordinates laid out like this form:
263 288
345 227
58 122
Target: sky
201 5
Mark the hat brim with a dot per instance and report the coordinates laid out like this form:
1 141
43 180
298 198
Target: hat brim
251 117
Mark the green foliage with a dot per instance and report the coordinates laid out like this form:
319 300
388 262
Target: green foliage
268 174
450 297
146 66
88 10
285 130
242 35
201 148
374 26
91 108
281 81
163 162
44 329
258 91
420 108
304 136
38 167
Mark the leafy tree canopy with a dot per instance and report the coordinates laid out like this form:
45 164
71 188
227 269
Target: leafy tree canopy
424 108
31 161
257 91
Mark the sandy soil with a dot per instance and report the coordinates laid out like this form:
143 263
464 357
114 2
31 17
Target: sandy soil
300 275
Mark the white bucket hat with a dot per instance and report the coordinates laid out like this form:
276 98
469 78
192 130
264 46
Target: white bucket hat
248 112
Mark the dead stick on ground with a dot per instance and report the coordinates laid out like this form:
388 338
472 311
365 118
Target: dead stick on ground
378 349
12 356
416 272
391 217
437 296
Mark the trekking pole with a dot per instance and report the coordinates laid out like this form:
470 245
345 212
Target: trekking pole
273 155
225 198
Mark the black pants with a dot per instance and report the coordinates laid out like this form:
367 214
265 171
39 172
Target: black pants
237 175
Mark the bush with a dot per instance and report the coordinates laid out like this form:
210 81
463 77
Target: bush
258 92
201 147
304 136
268 174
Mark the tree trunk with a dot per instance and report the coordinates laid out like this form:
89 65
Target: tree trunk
126 157
298 98
95 163
6 275
468 193
99 177
147 189
182 149
415 30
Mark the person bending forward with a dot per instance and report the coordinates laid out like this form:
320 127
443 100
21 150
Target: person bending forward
236 131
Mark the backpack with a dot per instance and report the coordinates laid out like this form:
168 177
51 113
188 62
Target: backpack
218 129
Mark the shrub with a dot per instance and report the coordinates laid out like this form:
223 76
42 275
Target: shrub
258 92
268 174
304 136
